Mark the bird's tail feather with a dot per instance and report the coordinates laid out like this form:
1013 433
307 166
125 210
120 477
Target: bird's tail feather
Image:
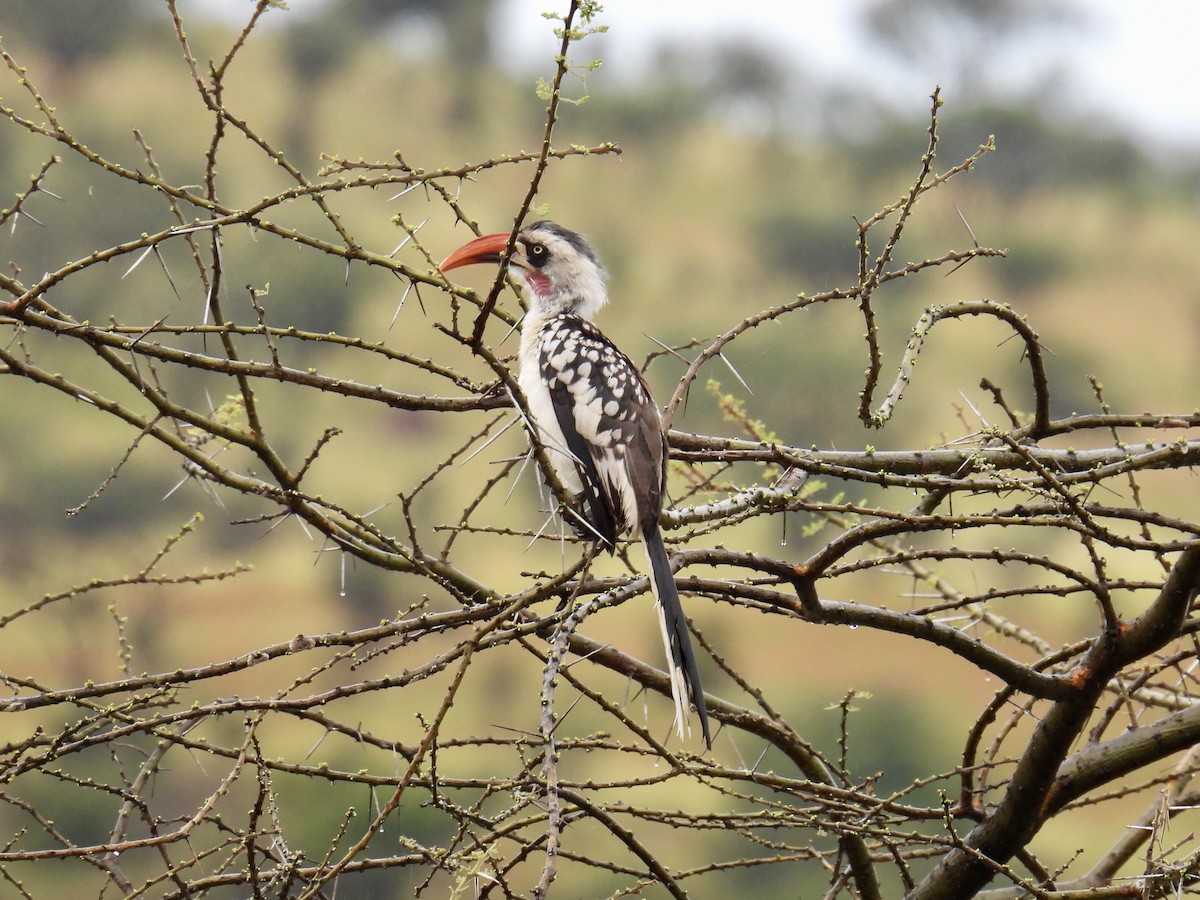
681 658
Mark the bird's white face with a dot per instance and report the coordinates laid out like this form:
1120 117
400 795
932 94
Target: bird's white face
561 270
559 267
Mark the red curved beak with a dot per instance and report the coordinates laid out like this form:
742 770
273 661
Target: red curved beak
486 249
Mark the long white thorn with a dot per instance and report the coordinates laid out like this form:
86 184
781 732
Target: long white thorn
537 534
396 315
137 262
520 472
736 373
411 187
508 334
495 437
412 233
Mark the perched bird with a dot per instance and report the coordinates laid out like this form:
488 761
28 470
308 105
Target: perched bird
595 417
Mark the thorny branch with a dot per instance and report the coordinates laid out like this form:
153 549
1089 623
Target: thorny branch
504 808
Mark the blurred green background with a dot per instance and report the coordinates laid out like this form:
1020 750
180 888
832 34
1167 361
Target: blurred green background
743 168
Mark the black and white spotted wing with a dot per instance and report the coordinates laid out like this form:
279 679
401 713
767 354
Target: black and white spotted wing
604 410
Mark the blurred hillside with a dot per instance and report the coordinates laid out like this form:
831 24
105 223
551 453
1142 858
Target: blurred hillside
726 198
717 205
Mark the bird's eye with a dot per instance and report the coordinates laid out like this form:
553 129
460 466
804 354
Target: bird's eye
538 255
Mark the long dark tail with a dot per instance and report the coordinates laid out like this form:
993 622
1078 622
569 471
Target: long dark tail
681 658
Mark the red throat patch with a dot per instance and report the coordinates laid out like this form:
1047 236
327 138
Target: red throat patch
538 283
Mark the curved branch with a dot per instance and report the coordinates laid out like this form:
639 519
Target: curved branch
935 314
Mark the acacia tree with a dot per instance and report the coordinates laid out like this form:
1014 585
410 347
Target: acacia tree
200 780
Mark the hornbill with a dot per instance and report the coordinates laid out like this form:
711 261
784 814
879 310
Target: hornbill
594 416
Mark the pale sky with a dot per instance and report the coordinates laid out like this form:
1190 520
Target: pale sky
1138 63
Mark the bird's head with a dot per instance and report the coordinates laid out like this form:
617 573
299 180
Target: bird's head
559 267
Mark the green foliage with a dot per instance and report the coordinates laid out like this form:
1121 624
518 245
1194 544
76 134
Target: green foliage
733 408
